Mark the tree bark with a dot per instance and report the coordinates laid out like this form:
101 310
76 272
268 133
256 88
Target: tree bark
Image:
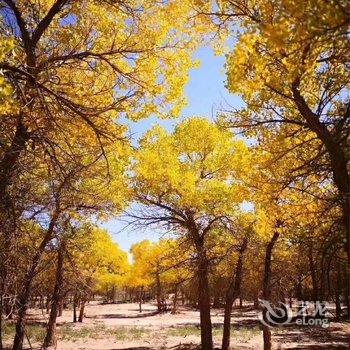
82 309
337 156
338 310
113 295
233 292
26 290
75 305
56 300
140 299
267 287
9 163
174 309
315 291
60 308
203 292
158 292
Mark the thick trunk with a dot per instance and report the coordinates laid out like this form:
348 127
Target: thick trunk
26 290
9 162
204 306
1 320
81 311
216 301
267 287
75 305
203 292
347 300
56 300
233 292
48 303
337 156
60 308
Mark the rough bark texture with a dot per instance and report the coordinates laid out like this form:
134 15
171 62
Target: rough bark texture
82 309
233 292
8 165
267 287
56 300
174 309
338 159
26 290
203 292
75 305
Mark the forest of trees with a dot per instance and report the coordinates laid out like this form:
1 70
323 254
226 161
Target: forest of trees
255 204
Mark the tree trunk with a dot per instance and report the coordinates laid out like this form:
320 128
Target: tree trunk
1 319
233 292
158 292
82 308
60 308
203 293
9 163
26 290
315 292
48 303
338 311
183 297
216 301
113 295
174 309
56 300
256 301
75 305
337 156
267 287
140 299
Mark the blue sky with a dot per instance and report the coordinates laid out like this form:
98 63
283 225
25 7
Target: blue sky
206 94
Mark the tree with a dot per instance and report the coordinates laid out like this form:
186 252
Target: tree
291 68
69 68
85 256
188 181
67 190
140 274
78 64
234 287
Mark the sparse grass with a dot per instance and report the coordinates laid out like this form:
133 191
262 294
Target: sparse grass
244 334
128 333
183 331
70 333
239 333
35 333
8 330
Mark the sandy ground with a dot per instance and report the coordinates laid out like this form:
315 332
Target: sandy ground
122 326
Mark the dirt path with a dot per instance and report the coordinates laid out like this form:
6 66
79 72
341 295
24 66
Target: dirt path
122 326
